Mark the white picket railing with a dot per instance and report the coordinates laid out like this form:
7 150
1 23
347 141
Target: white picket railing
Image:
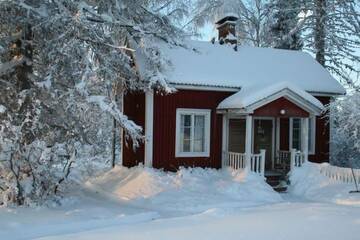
297 158
282 160
283 157
238 161
258 163
340 174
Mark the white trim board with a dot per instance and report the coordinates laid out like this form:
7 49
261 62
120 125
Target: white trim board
187 86
149 126
204 88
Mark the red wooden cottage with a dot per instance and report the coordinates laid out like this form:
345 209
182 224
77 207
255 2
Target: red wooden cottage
258 108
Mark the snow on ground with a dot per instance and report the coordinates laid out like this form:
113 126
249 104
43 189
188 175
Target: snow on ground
187 191
143 203
126 196
307 182
283 221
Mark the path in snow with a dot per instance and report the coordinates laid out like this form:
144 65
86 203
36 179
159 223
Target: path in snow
287 220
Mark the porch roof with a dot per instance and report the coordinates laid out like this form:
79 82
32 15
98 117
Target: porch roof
254 96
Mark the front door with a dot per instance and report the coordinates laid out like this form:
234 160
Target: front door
263 139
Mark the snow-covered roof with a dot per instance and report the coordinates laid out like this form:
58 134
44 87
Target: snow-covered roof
253 96
207 64
227 16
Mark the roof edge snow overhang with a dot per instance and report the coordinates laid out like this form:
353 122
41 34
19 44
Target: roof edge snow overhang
287 93
200 87
224 88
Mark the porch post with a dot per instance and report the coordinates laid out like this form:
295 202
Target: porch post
225 134
292 159
277 142
248 141
305 138
149 116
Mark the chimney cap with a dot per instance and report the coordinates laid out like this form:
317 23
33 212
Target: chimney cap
231 17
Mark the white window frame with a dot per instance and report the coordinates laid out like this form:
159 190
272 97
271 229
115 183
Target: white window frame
312 122
191 111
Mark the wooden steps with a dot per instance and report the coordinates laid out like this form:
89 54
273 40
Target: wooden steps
277 180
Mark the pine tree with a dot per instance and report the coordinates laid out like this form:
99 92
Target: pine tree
285 31
345 138
331 32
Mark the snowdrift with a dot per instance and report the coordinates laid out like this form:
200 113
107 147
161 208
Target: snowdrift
188 190
309 183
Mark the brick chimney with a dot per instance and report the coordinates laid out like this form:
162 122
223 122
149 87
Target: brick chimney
226 27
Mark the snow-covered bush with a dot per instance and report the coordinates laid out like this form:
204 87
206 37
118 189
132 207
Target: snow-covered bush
345 131
64 66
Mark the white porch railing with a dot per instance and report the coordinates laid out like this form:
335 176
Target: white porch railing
297 158
258 163
290 159
238 161
282 159
340 174
235 160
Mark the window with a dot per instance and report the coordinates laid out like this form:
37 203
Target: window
295 134
192 132
312 134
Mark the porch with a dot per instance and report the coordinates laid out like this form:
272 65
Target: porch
268 130
265 145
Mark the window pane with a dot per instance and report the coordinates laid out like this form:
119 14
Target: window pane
186 146
185 133
199 133
186 120
296 143
198 145
185 139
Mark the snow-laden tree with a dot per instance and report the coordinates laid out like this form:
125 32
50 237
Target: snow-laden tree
254 18
286 24
331 32
345 131
64 65
252 26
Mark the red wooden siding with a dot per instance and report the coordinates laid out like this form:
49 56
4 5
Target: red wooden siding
134 108
322 139
165 127
284 134
273 109
322 136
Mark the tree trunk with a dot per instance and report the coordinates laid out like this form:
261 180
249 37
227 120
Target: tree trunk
113 144
320 31
24 49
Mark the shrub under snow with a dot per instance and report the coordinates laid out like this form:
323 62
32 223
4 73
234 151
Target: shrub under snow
188 190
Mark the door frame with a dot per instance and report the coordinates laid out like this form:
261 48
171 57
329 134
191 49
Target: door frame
272 137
